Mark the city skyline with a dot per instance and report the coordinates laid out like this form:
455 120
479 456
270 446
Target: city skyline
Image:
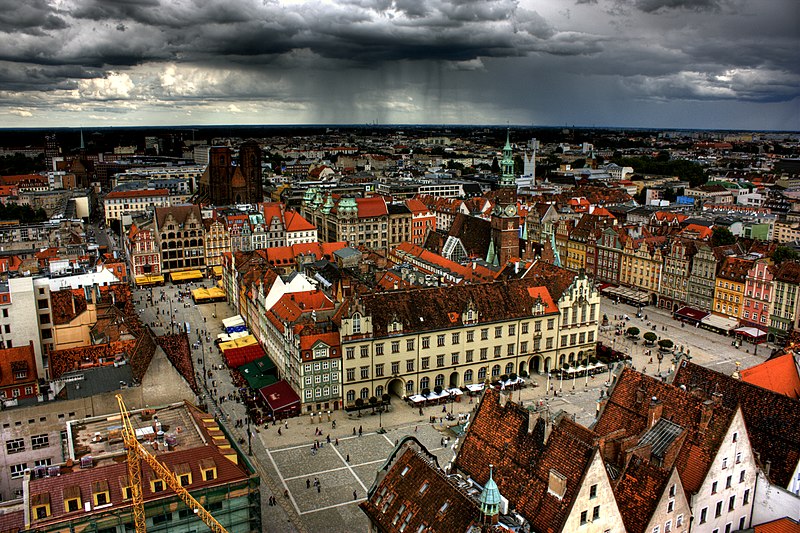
721 64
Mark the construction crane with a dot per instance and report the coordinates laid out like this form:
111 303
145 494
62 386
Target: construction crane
137 453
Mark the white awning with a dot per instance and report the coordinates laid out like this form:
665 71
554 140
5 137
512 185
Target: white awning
416 398
720 322
475 387
454 391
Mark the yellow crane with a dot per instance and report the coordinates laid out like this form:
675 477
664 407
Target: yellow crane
136 453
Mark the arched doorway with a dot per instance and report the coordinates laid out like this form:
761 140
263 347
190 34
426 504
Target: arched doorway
536 364
454 380
396 388
523 368
547 364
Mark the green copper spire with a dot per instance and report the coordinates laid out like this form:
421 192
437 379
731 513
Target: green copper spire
490 497
507 165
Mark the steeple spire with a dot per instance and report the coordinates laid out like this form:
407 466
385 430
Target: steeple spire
490 501
507 164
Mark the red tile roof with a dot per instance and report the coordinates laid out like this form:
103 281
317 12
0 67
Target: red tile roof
637 491
373 206
295 222
17 359
772 419
439 506
781 525
778 375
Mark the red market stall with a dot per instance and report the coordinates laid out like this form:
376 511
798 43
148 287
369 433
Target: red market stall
236 357
281 399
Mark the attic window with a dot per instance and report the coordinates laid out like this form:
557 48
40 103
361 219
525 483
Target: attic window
557 484
72 499
405 471
183 472
40 506
424 487
125 486
157 485
444 507
100 493
209 469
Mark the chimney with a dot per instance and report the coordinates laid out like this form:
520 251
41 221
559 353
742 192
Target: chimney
654 411
705 415
503 400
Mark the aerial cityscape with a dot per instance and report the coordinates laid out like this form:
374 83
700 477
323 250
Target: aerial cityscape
400 266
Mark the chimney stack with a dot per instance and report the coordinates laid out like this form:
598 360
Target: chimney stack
654 411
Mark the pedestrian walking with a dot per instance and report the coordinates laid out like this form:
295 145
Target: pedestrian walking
318 489
337 441
359 431
355 495
279 431
354 431
286 493
308 483
347 459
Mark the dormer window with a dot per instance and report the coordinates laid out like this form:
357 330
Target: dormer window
125 487
40 506
183 473
100 493
72 499
356 323
208 469
157 485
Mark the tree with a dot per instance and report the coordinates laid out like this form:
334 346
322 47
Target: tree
513 376
784 253
373 401
632 332
666 344
359 405
387 398
504 377
437 389
426 391
650 337
722 236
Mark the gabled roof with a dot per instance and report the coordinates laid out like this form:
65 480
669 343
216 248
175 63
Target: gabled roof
473 232
778 375
179 212
734 269
627 414
638 491
373 206
772 419
295 222
17 359
414 484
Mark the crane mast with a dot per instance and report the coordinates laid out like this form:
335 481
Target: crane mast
136 452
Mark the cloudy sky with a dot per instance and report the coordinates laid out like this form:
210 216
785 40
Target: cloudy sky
634 63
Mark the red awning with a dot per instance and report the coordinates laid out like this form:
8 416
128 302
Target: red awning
236 357
692 314
280 397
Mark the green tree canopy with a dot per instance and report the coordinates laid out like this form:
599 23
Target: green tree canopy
784 253
632 332
722 236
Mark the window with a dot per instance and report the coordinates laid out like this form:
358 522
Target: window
657 529
156 485
583 517
510 350
351 374
426 342
512 330
593 492
741 476
551 323
718 510
738 457
746 497
728 482
18 470
485 334
454 358
379 370
471 336
668 526
409 345
379 348
396 367
440 360
365 351
495 371
40 441
728 528
498 350
714 488
426 363
671 506
563 340
482 373
724 462
732 503
468 376
364 372
484 354
524 327
409 365
439 340
469 355
679 520
523 347
350 353
395 346
498 332
703 515
15 446
43 462
596 512
455 338
741 523
672 491
162 519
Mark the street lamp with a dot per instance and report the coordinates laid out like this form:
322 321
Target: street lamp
660 356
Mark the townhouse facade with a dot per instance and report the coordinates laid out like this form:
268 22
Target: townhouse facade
675 275
758 294
784 313
700 289
641 265
116 204
180 238
729 287
143 254
411 342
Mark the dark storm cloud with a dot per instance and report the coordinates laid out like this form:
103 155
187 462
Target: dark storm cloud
652 6
29 16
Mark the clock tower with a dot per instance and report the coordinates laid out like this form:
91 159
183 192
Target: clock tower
505 219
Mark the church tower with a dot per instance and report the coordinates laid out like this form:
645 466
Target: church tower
505 220
250 165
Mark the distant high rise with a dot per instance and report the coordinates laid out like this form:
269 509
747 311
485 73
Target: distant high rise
51 150
225 182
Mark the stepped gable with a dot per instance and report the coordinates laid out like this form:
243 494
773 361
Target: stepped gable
638 491
772 419
439 506
626 414
441 307
499 435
